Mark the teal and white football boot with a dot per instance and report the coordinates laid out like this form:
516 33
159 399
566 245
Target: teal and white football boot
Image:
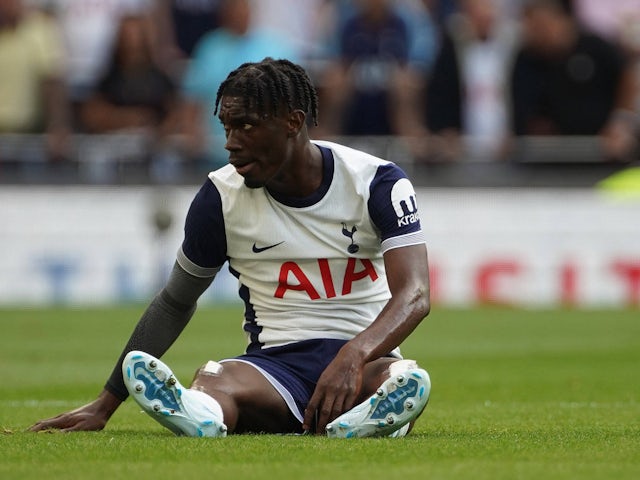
184 411
388 412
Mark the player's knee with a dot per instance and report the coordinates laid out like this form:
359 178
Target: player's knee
209 371
210 368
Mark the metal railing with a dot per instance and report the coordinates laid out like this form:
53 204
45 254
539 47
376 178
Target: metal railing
126 158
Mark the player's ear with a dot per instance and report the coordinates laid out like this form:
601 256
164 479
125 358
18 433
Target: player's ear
295 122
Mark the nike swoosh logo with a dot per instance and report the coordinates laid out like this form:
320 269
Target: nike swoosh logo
262 249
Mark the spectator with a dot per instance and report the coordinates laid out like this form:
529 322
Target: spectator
332 15
608 19
183 23
32 94
567 81
619 22
217 53
441 10
467 91
372 85
296 21
630 41
423 32
135 94
89 29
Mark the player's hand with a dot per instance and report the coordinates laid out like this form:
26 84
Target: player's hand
89 417
336 392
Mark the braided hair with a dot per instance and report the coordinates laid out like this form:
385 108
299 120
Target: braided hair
271 85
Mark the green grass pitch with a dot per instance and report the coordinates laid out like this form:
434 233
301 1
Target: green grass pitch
517 394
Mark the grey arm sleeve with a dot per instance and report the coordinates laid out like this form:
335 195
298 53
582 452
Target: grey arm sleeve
162 322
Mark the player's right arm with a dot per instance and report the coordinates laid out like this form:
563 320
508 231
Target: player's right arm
160 325
167 314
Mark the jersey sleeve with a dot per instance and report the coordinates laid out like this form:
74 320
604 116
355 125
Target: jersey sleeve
204 246
393 208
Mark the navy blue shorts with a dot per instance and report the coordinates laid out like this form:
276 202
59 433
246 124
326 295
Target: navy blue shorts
294 369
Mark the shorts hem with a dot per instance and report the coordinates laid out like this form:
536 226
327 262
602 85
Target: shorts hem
284 393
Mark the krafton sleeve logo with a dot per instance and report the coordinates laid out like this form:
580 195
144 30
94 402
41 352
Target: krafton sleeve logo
403 199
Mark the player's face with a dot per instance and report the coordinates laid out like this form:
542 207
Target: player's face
256 143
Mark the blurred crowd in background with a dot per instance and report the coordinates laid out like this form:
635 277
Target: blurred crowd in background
454 80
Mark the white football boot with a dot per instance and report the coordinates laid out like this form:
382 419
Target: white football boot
388 412
184 411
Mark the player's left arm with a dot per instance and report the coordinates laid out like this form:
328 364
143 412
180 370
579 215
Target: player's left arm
406 265
408 278
340 384
393 208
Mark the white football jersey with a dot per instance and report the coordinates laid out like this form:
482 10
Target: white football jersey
307 268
